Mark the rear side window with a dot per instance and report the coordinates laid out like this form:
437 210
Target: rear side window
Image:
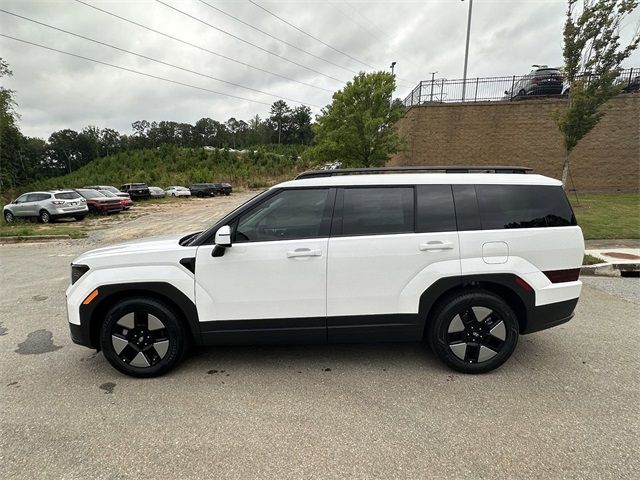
435 209
523 206
66 195
377 210
38 197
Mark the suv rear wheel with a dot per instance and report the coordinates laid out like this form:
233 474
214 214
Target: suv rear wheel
473 332
142 337
44 216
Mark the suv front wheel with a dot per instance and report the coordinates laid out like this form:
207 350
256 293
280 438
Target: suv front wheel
142 337
473 332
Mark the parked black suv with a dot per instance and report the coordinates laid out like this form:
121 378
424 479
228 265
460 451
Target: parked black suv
203 190
223 188
136 190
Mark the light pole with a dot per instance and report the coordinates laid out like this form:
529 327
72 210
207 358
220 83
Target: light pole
392 67
466 50
433 79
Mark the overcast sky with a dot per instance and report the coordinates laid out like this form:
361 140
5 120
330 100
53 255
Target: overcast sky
55 91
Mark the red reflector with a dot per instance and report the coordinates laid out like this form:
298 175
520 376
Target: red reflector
559 276
522 284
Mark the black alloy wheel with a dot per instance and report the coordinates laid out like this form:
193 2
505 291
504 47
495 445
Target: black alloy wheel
474 332
142 337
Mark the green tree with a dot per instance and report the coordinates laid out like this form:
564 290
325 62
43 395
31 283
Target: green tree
592 63
10 137
301 125
280 120
357 127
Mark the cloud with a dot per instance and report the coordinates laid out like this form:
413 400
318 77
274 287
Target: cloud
55 91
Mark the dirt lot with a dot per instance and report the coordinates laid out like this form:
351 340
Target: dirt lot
565 406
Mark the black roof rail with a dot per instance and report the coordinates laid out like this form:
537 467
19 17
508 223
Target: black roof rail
430 168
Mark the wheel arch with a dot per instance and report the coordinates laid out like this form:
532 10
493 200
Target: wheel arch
92 315
511 288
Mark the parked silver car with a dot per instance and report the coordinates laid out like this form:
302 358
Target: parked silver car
47 206
156 192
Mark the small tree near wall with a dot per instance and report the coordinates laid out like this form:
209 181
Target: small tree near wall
592 63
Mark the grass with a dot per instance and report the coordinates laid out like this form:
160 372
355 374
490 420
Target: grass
607 215
590 260
26 229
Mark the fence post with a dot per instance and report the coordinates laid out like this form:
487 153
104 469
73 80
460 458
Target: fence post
420 92
513 84
475 96
442 91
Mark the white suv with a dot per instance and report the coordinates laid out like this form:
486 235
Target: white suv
465 261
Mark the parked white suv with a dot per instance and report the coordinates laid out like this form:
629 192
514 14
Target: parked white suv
465 261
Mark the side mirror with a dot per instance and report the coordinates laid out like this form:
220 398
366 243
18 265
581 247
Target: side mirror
223 236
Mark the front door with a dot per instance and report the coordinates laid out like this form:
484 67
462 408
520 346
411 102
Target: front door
271 283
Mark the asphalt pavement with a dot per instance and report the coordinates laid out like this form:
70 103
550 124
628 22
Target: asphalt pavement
564 406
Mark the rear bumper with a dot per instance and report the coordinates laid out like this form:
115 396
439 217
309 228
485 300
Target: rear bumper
550 315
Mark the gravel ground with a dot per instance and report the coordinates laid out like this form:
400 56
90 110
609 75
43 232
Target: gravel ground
564 406
626 288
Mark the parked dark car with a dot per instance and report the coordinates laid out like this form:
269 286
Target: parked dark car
540 81
99 203
136 190
223 189
203 190
125 202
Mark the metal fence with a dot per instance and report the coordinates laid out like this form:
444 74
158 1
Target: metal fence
481 89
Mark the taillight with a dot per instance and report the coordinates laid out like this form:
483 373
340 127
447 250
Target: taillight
57 202
559 276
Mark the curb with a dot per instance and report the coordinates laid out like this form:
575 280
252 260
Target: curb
33 238
609 269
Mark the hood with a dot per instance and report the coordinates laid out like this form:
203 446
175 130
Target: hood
132 252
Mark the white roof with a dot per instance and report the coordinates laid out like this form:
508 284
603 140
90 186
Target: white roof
424 178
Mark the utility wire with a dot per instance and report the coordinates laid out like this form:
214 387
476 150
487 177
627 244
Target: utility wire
276 38
134 71
309 35
193 45
154 59
248 42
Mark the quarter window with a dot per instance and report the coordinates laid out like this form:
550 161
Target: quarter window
377 210
523 206
288 215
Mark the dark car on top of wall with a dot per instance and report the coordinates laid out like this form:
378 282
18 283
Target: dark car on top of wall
99 203
136 190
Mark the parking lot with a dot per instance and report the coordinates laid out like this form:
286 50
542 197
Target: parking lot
564 406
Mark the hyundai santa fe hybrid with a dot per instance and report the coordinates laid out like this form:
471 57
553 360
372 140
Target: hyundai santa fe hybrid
464 261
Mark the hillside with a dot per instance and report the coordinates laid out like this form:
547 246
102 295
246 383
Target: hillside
169 165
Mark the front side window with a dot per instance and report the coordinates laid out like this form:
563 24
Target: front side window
288 215
377 210
22 198
37 197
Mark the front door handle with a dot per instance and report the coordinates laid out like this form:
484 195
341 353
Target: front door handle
304 252
436 245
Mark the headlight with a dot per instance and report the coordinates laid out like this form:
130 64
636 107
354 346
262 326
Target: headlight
77 271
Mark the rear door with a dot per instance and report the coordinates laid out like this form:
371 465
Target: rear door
388 245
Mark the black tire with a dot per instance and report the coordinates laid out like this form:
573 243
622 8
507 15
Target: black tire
470 344
79 218
9 217
45 217
522 93
144 343
200 194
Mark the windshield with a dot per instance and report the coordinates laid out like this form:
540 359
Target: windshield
91 193
111 189
203 235
107 193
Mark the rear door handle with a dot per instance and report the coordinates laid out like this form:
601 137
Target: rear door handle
436 245
303 252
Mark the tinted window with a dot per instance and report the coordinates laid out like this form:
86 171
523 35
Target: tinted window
288 215
523 206
466 205
435 209
66 195
21 198
90 194
377 210
37 197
